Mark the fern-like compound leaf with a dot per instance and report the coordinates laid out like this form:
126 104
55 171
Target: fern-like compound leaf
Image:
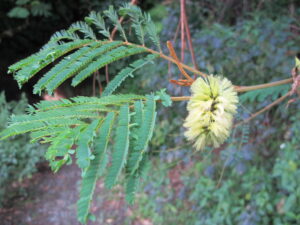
61 68
120 147
94 170
151 30
144 134
107 58
83 151
138 20
40 134
64 35
98 21
132 183
60 145
137 120
133 180
87 101
126 72
83 28
113 16
38 61
72 64
261 95
52 114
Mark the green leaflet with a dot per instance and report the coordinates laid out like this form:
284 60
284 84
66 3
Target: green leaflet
137 120
72 64
63 35
141 135
261 94
88 101
144 134
98 21
120 147
131 187
50 114
15 129
39 134
151 30
133 180
126 72
164 97
61 68
40 60
83 151
60 146
138 20
83 28
94 170
113 16
107 58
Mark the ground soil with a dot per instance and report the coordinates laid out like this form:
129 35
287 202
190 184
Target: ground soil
50 199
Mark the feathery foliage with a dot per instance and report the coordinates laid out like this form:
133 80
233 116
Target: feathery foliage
261 95
96 19
113 16
144 133
95 168
84 28
71 126
91 54
127 72
120 147
83 125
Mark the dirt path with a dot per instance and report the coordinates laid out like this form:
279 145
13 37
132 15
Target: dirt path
51 200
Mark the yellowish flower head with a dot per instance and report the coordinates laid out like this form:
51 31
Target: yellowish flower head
211 109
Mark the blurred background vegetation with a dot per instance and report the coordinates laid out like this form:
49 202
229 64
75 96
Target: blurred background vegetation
252 179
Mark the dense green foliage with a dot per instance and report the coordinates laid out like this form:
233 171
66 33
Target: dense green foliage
18 157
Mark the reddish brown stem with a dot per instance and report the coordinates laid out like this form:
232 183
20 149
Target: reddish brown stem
182 15
113 33
174 56
189 39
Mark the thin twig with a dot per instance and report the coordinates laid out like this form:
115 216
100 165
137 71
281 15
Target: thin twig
193 70
261 86
113 33
99 83
94 84
174 40
189 39
106 74
168 59
276 102
182 15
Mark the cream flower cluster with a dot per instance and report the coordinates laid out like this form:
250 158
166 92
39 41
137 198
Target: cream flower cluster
211 109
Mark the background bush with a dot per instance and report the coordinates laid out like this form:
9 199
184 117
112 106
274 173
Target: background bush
254 178
18 158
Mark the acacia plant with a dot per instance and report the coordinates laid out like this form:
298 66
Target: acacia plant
88 126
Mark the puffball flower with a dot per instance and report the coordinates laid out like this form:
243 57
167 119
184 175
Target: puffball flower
211 109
